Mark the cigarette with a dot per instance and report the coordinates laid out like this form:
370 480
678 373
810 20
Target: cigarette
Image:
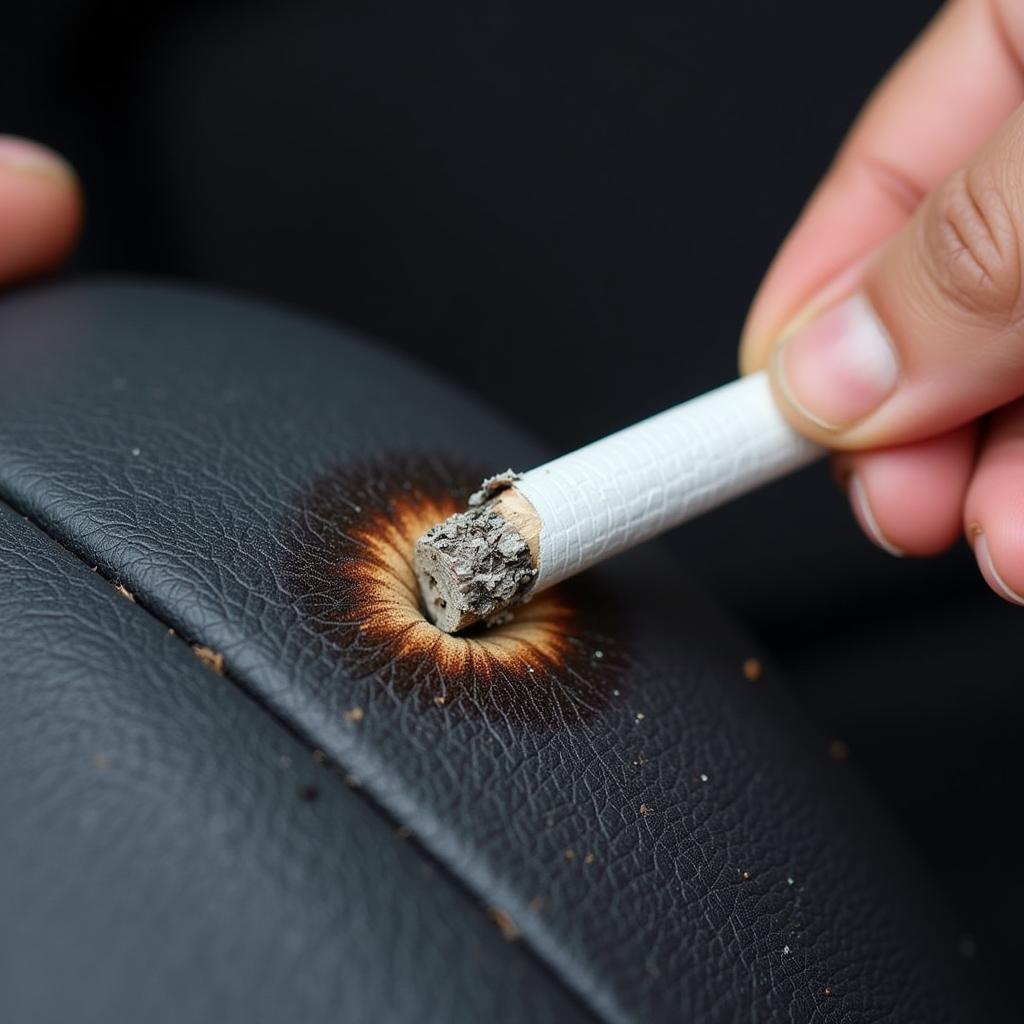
526 532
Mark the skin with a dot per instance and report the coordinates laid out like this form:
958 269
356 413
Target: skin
922 214
40 209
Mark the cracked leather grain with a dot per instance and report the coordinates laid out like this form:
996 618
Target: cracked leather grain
170 853
675 844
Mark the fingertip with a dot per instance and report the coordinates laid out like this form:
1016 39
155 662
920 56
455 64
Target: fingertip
782 307
27 156
1001 561
909 500
41 208
860 504
994 509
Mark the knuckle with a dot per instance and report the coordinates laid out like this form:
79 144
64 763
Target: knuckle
972 245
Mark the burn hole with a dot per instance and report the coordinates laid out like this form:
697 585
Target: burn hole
350 570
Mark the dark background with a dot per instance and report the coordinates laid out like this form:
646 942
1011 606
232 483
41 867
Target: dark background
599 186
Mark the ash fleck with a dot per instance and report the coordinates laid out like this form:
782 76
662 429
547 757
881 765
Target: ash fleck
492 486
209 657
508 928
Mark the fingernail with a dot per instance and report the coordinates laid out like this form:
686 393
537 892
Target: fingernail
862 513
989 570
839 367
25 156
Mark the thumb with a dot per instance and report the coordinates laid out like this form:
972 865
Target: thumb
934 336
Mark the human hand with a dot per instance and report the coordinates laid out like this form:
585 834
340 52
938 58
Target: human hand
40 209
892 319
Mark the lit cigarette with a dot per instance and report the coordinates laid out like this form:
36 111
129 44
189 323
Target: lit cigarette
525 533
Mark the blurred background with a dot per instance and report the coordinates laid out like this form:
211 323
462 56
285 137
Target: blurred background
601 186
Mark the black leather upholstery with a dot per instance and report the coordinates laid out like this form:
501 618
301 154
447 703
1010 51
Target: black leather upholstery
171 853
672 840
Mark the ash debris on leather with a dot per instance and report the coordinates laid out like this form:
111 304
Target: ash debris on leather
475 563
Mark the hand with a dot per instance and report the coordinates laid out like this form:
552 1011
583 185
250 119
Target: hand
40 209
893 317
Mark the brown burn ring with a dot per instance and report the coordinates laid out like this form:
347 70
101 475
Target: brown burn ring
350 567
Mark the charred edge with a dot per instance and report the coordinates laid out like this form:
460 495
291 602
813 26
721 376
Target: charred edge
351 569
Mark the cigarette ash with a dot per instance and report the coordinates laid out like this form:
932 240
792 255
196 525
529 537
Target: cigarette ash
492 486
350 568
475 562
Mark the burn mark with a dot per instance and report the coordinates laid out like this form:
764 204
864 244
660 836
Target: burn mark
351 571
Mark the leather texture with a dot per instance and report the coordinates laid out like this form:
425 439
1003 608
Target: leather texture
172 854
639 482
672 841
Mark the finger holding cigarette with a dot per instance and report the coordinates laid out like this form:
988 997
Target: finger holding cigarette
892 319
890 325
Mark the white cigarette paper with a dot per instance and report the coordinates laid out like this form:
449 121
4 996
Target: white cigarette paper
641 481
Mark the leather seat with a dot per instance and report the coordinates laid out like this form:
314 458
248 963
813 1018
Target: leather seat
595 816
